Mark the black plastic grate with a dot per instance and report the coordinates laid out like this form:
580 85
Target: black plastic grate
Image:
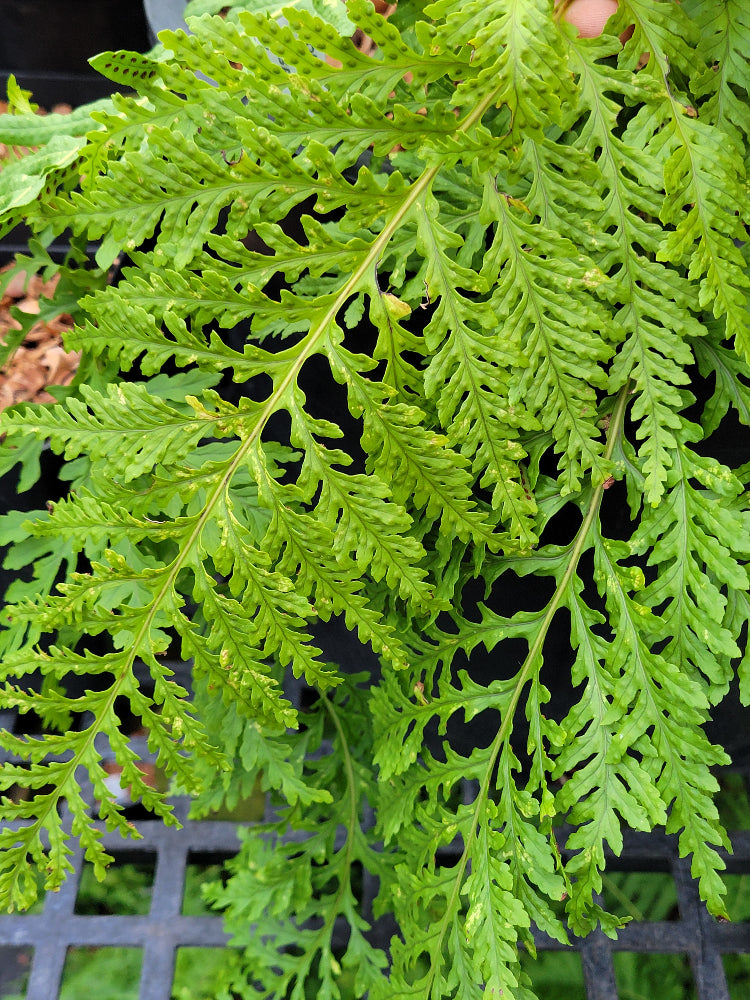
695 934
164 929
159 933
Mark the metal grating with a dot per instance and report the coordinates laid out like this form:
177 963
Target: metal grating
159 933
695 934
164 929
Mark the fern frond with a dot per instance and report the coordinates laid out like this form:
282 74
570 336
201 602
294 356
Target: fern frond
402 716
667 35
304 111
126 332
77 749
417 462
555 327
367 525
102 424
186 217
696 170
22 181
394 341
667 711
292 869
700 556
725 32
256 755
324 250
29 129
242 648
656 302
302 546
731 373
85 519
704 190
593 761
515 59
51 557
357 72
467 374
504 243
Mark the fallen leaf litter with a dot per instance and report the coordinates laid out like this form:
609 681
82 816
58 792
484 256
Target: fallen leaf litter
40 360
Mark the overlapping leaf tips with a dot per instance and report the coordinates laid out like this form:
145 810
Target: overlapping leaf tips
499 248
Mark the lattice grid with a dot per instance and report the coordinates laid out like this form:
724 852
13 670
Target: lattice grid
44 938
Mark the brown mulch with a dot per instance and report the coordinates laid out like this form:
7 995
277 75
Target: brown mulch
41 360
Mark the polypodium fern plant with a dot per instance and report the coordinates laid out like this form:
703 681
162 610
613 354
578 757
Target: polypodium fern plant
515 253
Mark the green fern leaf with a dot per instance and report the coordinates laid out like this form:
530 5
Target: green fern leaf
656 303
696 166
416 461
516 60
21 181
103 425
508 245
723 44
560 347
730 372
366 525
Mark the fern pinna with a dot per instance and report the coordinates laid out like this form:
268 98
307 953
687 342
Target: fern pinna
516 253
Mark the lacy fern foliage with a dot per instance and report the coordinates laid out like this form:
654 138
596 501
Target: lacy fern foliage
434 346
